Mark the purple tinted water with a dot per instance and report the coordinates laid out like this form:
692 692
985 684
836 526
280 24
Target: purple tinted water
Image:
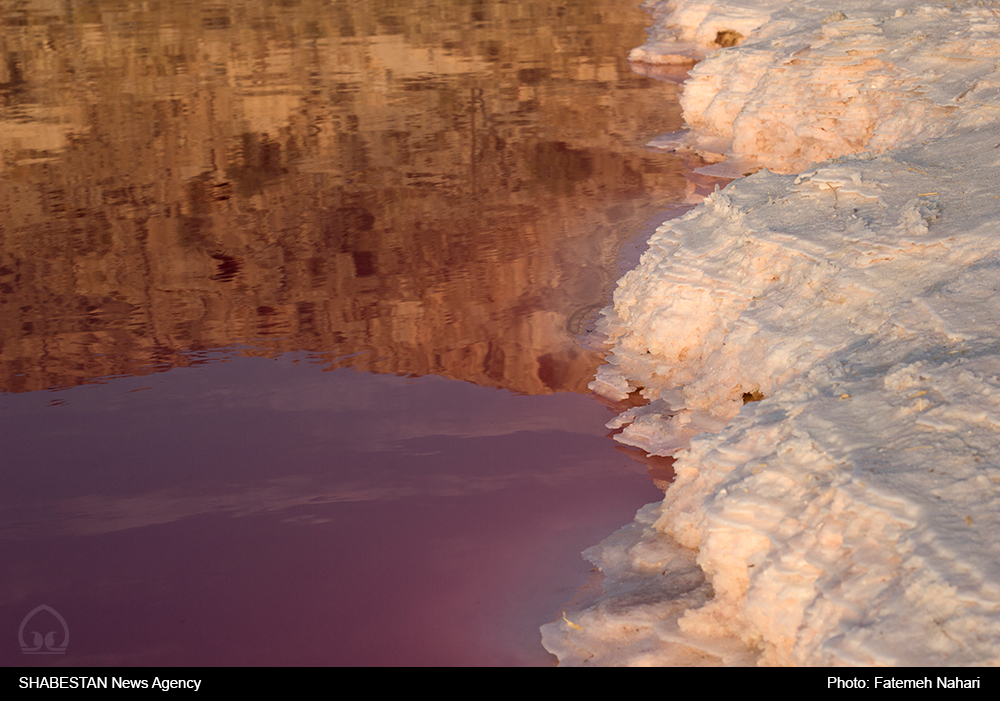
262 512
289 299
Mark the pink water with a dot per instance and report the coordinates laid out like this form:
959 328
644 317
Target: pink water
289 304
262 512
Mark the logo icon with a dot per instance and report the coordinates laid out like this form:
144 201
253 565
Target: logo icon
49 639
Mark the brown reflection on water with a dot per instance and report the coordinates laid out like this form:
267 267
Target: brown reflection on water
421 187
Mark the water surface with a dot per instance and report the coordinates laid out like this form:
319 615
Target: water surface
277 283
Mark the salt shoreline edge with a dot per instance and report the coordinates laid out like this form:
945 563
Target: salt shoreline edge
852 281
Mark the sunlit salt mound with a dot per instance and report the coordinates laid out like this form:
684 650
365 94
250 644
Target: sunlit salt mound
817 79
688 30
821 350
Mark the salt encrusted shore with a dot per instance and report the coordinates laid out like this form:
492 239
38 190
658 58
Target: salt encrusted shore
848 517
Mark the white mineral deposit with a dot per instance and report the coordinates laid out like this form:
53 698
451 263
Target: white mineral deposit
819 345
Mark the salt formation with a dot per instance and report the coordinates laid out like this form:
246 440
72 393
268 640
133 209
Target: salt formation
817 79
848 516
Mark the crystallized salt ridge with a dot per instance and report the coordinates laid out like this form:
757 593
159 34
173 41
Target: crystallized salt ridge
687 30
814 79
850 516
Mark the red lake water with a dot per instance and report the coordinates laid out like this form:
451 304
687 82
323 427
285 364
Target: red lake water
290 300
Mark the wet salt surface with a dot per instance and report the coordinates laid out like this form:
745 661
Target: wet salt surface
260 511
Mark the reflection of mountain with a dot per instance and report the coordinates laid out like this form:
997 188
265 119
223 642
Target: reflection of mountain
428 192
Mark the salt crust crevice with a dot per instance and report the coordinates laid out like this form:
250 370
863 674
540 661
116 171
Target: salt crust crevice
850 516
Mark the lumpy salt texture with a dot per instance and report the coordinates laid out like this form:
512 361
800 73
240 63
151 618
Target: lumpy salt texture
852 282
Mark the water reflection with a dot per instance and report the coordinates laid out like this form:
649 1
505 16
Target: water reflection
435 187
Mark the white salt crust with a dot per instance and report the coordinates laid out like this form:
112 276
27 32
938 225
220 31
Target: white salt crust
849 517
